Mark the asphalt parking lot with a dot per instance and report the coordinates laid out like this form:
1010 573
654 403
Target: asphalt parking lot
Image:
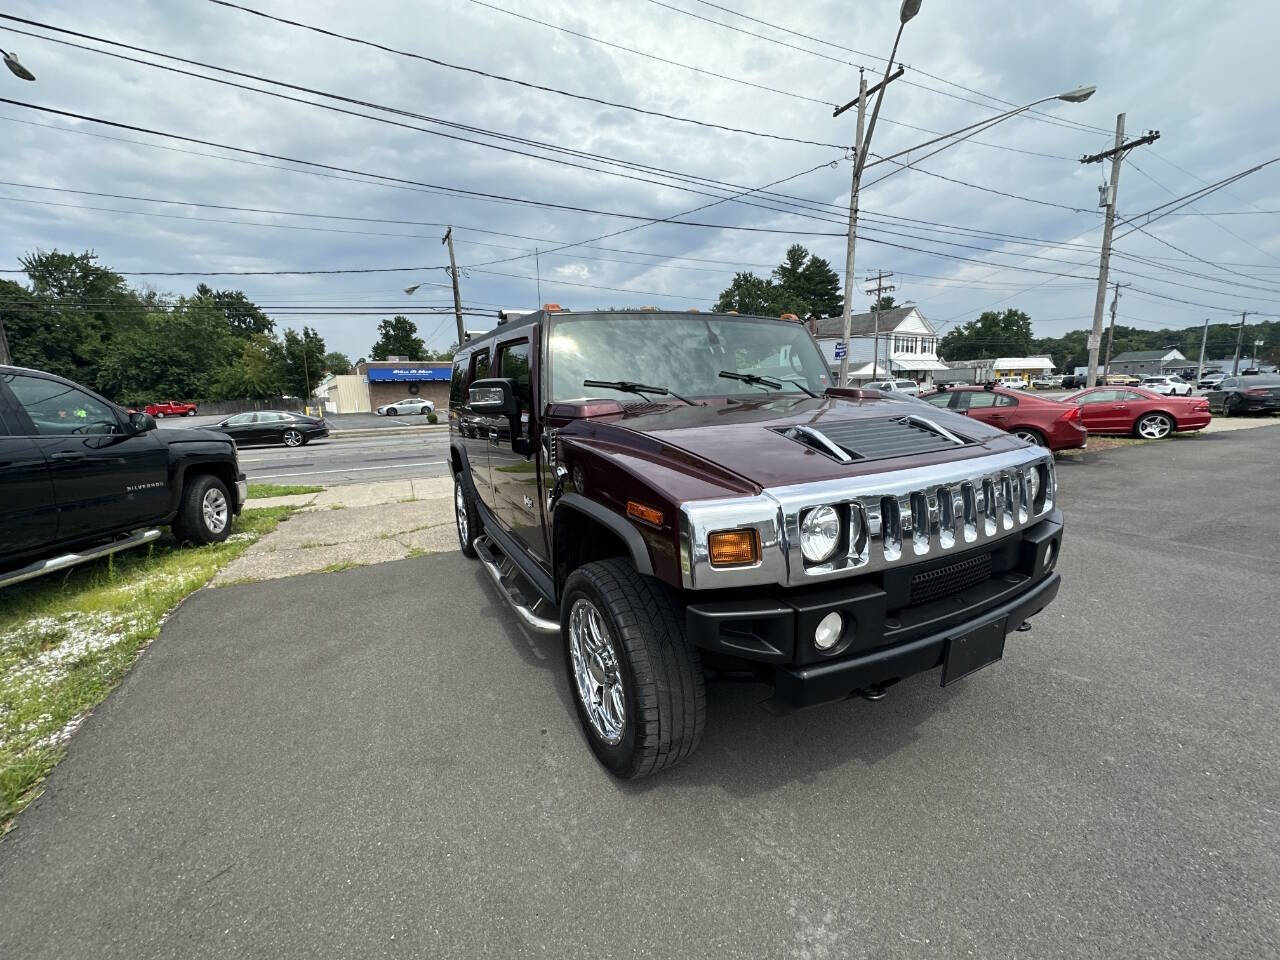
386 766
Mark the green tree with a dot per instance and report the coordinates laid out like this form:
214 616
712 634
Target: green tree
243 316
337 363
748 294
71 312
303 364
885 302
993 334
258 371
398 337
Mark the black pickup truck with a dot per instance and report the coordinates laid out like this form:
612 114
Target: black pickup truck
81 477
734 512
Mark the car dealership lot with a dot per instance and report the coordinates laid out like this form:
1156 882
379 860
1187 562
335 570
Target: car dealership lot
389 766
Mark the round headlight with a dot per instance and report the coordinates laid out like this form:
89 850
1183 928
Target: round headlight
828 632
1033 484
819 533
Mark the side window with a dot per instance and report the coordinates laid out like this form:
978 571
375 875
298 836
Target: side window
57 409
1101 396
513 362
240 419
1130 395
458 385
480 365
1003 401
941 399
981 399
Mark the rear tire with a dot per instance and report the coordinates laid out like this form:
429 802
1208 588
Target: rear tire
191 413
626 652
465 515
292 438
204 515
1031 436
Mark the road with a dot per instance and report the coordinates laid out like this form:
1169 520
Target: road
384 765
344 459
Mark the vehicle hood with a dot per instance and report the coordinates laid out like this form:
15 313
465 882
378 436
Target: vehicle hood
745 438
192 435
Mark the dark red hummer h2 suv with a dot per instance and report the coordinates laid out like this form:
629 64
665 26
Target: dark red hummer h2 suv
674 493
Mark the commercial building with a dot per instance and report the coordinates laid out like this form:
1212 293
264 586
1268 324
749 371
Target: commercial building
1149 363
376 383
908 345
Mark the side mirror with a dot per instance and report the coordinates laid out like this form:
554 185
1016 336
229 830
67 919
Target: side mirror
495 396
141 423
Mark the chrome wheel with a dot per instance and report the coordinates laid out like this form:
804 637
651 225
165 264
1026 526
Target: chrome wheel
292 438
213 507
1154 427
596 673
1030 436
460 508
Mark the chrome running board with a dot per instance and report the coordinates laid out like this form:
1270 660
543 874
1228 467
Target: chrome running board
504 572
52 565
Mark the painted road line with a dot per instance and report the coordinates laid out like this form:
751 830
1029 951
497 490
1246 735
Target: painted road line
312 473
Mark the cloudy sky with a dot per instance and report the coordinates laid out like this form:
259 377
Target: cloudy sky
1008 218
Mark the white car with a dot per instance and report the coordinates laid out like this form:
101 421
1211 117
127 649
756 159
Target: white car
1167 386
411 405
1012 383
1046 383
895 386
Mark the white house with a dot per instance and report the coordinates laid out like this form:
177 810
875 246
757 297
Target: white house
908 345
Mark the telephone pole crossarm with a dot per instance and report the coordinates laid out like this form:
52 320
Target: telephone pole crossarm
1151 136
870 90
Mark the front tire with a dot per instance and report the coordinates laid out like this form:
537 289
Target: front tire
391 412
1153 426
637 682
205 513
465 515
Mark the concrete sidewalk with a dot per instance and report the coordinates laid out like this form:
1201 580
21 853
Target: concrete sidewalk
348 526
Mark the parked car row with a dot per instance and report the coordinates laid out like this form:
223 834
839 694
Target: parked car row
1065 424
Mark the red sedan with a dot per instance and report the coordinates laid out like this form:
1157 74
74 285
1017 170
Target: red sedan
1132 410
1037 420
171 408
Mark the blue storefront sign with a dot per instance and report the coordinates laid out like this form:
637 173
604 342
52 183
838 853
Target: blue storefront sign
408 374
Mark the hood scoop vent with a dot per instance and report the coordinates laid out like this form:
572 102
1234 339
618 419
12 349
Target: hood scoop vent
849 440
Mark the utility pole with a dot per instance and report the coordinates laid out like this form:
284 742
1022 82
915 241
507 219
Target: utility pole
859 146
879 290
1111 333
1204 339
5 357
1108 195
1235 369
453 275
537 267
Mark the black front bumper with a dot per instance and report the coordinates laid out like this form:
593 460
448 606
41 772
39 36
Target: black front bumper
887 634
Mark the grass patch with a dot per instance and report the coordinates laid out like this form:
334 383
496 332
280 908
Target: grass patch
66 641
339 566
259 491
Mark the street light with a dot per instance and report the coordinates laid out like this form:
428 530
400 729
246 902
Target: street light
909 9
15 66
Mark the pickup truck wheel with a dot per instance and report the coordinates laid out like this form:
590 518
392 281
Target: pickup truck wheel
190 413
637 682
466 516
159 415
205 513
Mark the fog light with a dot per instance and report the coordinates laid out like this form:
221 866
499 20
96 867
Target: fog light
828 633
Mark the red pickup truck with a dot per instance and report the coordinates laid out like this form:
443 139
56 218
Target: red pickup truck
171 408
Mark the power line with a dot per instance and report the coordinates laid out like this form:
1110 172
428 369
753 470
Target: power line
498 135
959 86
639 53
473 194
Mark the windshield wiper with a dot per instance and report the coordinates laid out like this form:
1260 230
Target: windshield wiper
627 386
756 380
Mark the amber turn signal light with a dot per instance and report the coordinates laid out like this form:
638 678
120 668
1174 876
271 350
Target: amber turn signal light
642 512
733 548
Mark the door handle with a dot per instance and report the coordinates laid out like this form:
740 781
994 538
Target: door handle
67 456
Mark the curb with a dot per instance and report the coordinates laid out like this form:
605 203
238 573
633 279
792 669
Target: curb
386 431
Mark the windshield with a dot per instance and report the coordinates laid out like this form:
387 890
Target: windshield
682 352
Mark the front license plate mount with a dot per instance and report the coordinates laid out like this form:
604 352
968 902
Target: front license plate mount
974 650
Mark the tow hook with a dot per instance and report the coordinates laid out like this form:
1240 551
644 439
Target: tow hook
874 692
1025 626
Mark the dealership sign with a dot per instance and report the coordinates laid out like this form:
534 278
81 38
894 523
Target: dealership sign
402 374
